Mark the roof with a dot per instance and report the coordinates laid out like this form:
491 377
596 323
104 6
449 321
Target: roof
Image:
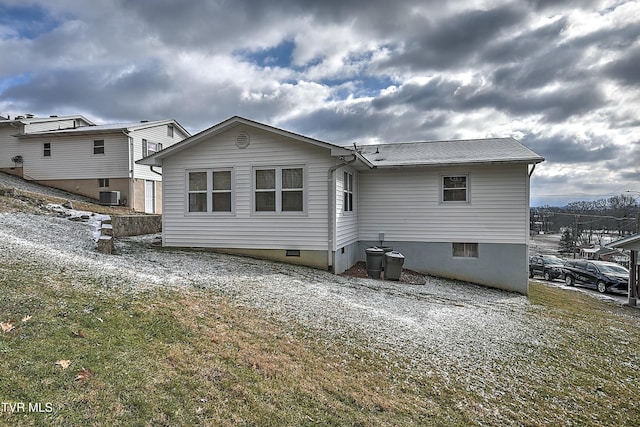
436 153
29 120
454 152
630 243
156 159
107 128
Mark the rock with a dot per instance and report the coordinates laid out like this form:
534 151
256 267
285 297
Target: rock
105 245
8 192
67 204
106 230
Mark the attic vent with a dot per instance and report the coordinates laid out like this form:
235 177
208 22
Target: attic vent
242 140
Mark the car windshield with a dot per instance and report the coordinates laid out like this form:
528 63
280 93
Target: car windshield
613 268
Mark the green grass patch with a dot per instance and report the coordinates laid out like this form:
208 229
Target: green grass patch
195 358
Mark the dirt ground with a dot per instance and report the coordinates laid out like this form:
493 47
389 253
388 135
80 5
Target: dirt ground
408 276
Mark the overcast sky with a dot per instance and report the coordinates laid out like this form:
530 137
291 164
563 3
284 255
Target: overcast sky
563 77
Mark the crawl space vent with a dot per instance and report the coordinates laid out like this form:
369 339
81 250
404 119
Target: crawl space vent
242 140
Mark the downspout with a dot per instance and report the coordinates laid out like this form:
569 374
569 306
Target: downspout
156 172
132 197
331 214
532 169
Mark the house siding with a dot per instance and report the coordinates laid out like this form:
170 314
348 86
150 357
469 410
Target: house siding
51 125
346 222
72 158
9 146
157 134
405 205
244 229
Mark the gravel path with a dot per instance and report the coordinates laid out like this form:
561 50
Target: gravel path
444 320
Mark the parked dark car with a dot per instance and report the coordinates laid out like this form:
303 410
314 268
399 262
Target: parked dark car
547 266
601 275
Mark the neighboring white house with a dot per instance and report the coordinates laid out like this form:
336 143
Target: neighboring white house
88 159
10 147
456 209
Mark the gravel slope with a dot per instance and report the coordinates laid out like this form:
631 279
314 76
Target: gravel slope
441 322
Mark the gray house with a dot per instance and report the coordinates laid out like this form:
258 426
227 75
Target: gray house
457 209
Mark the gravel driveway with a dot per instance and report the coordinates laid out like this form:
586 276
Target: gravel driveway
442 321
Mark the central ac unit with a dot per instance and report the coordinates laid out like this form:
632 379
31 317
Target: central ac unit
110 198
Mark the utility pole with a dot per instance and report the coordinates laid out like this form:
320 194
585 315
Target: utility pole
575 236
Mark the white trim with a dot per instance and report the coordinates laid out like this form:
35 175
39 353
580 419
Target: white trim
104 148
467 188
50 150
279 190
209 192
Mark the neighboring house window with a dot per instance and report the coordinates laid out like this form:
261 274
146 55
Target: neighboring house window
465 250
210 191
279 190
149 148
103 182
46 149
455 188
348 192
98 146
170 131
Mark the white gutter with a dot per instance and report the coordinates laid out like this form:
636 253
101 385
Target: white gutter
331 214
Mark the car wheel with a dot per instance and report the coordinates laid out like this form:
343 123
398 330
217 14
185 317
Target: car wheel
568 280
547 276
602 287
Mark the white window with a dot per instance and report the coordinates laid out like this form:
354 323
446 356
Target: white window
221 191
279 189
98 146
210 191
347 192
455 188
103 182
465 250
46 149
170 131
149 148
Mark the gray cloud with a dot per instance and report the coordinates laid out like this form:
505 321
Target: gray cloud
626 69
436 44
457 71
567 148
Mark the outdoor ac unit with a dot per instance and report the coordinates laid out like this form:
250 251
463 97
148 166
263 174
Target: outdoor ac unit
110 198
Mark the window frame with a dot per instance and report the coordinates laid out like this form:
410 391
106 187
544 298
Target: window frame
103 183
348 192
469 250
209 191
444 190
279 190
146 147
103 147
47 150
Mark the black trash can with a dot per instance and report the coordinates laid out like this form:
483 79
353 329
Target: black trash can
374 261
394 261
385 249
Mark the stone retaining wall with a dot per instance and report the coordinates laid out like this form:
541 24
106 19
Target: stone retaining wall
135 225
